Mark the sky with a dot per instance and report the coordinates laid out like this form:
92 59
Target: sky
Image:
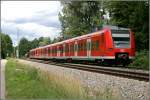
30 19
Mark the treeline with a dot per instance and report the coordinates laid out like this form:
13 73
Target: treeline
82 17
25 45
8 50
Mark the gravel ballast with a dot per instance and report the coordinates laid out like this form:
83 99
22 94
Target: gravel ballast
101 84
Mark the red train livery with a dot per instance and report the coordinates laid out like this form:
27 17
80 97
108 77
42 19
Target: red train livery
111 44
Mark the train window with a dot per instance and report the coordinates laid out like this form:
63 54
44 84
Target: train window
49 50
62 49
78 47
102 38
52 50
81 47
70 48
93 44
84 46
121 38
97 44
45 51
67 48
41 51
55 49
73 48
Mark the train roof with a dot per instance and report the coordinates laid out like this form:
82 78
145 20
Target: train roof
106 27
72 39
115 27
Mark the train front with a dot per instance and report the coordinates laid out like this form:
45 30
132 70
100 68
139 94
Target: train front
121 45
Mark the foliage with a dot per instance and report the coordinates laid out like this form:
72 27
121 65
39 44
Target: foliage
44 41
79 18
34 43
24 47
141 60
132 14
6 45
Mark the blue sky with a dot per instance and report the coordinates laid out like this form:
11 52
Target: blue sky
33 19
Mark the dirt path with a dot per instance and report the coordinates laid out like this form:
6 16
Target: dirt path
2 79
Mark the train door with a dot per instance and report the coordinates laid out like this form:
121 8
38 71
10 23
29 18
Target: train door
88 47
75 48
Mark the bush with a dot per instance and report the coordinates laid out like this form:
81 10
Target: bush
141 60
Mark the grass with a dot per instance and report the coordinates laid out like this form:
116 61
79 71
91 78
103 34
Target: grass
26 82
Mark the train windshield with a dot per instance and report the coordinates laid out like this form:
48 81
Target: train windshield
121 38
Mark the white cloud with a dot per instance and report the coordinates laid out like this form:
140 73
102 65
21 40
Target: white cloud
11 10
33 18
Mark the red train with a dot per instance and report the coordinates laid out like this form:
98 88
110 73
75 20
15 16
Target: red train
111 45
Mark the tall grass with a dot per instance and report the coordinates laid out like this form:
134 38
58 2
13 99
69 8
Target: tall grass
24 82
64 86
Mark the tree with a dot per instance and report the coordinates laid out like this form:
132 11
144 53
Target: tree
79 18
44 41
24 47
34 43
6 46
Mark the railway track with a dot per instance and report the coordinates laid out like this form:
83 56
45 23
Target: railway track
121 72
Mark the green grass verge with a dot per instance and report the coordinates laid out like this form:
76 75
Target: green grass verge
24 82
